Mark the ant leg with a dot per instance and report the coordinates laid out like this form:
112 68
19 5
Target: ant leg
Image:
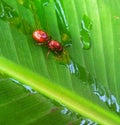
38 44
48 53
67 45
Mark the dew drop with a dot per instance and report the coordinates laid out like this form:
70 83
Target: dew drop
45 2
6 11
85 32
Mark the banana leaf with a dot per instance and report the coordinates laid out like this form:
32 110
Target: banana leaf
84 77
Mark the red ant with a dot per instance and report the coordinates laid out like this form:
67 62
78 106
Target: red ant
43 39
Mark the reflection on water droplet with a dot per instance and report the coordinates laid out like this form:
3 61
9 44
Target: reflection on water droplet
45 2
96 88
62 22
18 21
85 44
64 111
105 96
76 116
87 122
73 68
86 27
86 23
61 14
25 86
6 11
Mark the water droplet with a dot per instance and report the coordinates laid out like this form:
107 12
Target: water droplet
64 110
85 32
85 77
105 96
6 11
61 14
28 88
45 2
85 44
73 68
62 22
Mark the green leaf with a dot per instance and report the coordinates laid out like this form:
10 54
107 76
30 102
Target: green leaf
85 77
20 106
70 99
